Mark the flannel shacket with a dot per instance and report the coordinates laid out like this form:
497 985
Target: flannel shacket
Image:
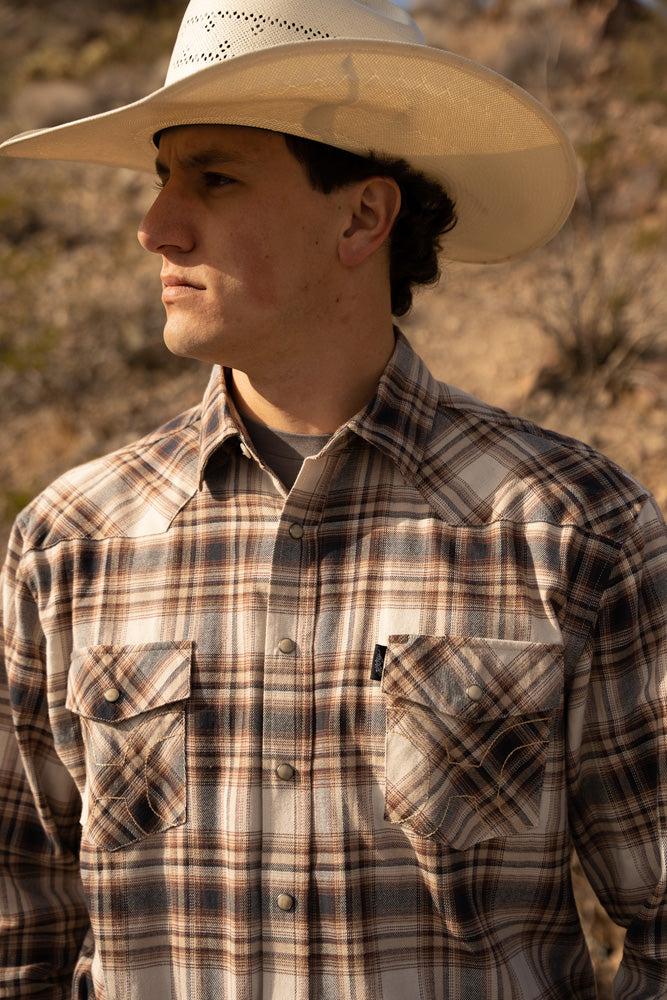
335 744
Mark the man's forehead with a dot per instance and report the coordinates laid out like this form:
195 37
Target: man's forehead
232 135
201 145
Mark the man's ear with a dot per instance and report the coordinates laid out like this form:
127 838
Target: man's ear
374 203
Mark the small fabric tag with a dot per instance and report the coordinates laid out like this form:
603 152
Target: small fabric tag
378 663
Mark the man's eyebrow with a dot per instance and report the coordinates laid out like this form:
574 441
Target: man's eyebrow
203 158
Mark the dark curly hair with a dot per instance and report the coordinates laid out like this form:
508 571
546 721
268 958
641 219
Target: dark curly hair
426 214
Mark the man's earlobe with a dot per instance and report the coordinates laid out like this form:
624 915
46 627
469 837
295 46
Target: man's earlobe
376 204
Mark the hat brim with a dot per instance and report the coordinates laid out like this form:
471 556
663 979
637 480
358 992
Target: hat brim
497 151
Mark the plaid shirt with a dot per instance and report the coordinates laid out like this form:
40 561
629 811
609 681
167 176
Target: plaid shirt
336 744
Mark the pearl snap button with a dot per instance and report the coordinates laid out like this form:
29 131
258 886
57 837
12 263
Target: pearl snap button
285 902
285 772
113 694
296 530
474 692
286 645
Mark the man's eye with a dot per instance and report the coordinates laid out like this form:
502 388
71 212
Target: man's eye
215 180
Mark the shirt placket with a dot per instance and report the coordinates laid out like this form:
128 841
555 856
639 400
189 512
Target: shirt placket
287 737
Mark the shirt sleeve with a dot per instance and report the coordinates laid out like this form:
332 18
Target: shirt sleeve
618 757
43 916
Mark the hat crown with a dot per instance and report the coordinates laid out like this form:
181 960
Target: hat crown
366 83
213 32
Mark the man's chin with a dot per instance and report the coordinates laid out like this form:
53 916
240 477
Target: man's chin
183 345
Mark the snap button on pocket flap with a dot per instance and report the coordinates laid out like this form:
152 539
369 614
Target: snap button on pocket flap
112 683
473 678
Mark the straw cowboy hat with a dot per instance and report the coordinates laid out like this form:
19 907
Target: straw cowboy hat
355 74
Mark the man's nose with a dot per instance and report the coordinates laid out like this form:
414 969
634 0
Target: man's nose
166 225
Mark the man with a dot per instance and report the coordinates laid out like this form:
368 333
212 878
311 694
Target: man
310 691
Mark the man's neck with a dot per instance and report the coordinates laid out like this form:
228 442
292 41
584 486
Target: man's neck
318 395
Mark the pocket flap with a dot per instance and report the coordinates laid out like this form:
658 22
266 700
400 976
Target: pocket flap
112 683
473 678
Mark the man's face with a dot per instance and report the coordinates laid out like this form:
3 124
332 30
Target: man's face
249 249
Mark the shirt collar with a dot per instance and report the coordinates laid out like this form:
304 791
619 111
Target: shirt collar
397 421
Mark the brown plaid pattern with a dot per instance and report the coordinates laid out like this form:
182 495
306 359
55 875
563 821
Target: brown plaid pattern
207 793
134 737
473 765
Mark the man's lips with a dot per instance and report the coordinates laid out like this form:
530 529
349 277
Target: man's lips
175 287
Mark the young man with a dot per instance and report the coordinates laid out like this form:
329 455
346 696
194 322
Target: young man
310 692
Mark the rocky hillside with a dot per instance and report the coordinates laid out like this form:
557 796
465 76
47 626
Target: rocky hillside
573 336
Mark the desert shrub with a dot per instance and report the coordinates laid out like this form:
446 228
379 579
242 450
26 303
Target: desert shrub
604 315
641 55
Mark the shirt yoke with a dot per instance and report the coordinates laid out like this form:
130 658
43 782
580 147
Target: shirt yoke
473 463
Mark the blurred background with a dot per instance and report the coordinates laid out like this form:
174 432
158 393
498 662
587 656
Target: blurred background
573 336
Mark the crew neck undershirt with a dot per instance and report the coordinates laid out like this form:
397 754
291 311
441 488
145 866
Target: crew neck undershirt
283 451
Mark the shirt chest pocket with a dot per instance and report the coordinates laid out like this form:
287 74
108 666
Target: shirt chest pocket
469 723
130 701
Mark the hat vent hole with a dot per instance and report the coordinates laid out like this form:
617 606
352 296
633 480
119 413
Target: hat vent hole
255 22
